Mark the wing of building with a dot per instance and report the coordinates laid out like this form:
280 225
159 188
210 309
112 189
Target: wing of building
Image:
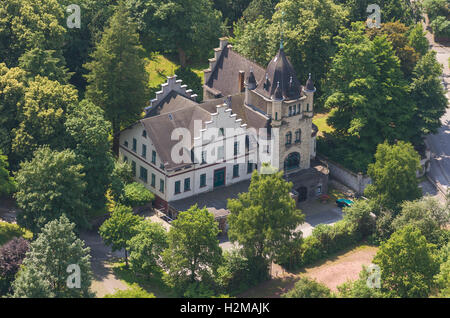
184 148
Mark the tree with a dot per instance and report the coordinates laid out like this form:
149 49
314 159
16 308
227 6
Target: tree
136 194
252 40
49 185
368 98
7 183
27 24
429 96
394 175
11 257
88 136
191 79
41 116
188 27
12 91
264 219
146 246
259 9
442 279
117 79
44 272
359 217
408 264
359 288
193 254
308 288
122 175
231 10
134 292
119 228
417 39
436 8
44 63
426 214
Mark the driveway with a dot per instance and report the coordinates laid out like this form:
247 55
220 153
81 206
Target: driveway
439 143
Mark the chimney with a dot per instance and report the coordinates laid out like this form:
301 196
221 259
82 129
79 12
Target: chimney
241 80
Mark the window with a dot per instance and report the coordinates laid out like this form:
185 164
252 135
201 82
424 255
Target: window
298 108
307 107
288 138
268 149
125 143
134 144
250 167
133 167
144 133
203 180
153 156
153 184
297 135
125 159
276 115
177 187
161 166
221 132
187 184
161 185
236 171
144 151
143 174
319 190
203 157
220 153
236 148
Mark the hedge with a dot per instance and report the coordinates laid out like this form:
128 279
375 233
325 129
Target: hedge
10 230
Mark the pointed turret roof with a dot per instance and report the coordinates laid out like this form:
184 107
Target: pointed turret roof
280 70
310 84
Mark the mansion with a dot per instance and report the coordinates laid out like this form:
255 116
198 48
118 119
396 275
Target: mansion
250 115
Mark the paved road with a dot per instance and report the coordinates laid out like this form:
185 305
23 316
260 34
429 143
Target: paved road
439 143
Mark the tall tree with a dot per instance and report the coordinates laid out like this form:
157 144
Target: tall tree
119 228
27 24
89 138
41 116
188 27
117 79
264 219
417 39
7 183
394 175
428 95
408 264
193 254
49 185
45 267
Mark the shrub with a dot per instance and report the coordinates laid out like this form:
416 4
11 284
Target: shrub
134 292
136 194
441 27
308 288
9 231
11 257
234 275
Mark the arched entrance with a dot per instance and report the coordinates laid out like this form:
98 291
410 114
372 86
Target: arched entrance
302 194
292 161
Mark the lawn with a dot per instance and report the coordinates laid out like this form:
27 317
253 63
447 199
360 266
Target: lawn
320 120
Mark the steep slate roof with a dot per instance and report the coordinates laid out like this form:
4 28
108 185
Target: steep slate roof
279 71
224 78
172 102
160 130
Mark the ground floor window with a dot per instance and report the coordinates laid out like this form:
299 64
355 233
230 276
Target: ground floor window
187 184
161 186
133 167
236 171
177 187
153 180
250 167
203 180
292 161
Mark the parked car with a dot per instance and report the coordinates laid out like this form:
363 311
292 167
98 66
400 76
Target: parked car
344 203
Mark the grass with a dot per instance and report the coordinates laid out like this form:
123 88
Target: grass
160 67
9 230
154 284
320 120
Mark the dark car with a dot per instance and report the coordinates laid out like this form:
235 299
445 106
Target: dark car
344 203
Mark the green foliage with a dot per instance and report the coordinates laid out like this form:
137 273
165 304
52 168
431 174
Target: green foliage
9 230
49 185
7 183
426 214
188 27
122 174
44 272
359 288
146 246
263 220
308 288
191 79
442 279
408 264
359 218
117 79
394 175
121 227
134 292
136 194
259 8
436 8
384 228
194 254
28 24
418 40
231 10
41 116
88 136
44 63
441 27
